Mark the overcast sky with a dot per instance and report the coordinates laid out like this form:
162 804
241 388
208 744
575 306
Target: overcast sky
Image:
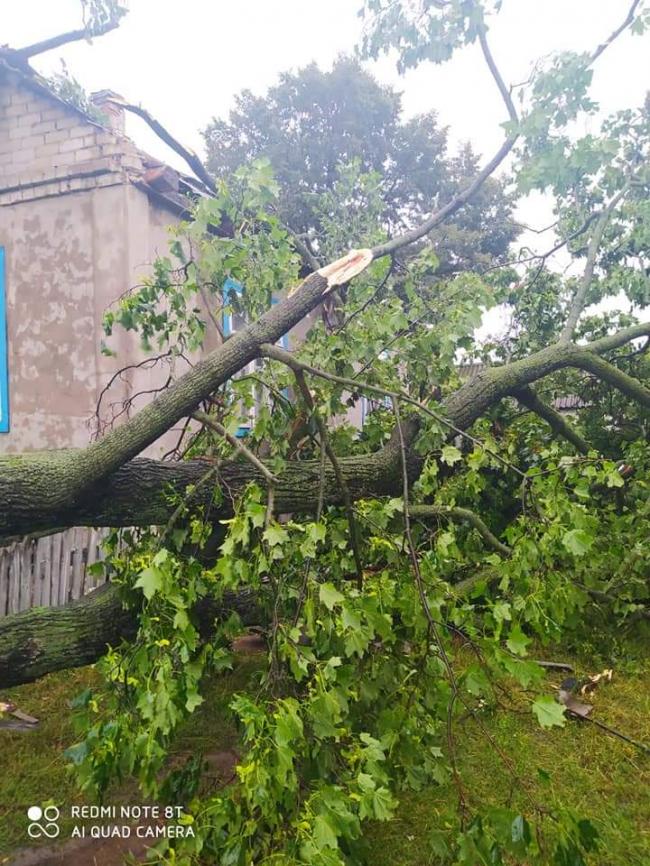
184 60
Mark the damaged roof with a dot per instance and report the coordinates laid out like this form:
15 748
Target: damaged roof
166 186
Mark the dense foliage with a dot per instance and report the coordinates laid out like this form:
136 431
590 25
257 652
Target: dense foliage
390 617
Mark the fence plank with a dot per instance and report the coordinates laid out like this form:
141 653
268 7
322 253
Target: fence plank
50 570
64 568
38 574
14 580
55 577
5 559
77 564
26 576
48 543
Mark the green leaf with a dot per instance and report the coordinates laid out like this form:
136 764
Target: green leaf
577 541
501 611
317 531
324 835
549 713
181 620
150 582
383 804
450 455
520 830
517 641
77 753
330 596
275 535
194 700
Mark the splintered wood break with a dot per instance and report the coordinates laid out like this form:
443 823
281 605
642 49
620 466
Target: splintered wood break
342 270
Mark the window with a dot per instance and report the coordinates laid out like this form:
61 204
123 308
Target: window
4 371
369 405
233 322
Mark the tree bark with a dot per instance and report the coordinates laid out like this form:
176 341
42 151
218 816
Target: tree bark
47 639
138 494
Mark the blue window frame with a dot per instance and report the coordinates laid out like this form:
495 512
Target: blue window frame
4 368
230 286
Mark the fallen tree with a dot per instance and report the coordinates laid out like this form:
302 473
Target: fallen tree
46 639
452 513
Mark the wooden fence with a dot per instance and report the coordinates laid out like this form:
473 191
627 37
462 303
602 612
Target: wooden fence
50 570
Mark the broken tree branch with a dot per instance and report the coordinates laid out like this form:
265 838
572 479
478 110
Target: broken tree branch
464 515
580 297
531 400
64 39
190 157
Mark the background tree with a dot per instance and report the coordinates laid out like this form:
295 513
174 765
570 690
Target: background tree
313 124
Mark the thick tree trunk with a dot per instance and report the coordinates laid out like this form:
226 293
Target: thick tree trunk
46 639
58 479
138 494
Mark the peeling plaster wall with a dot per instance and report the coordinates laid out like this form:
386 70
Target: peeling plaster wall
77 234
67 259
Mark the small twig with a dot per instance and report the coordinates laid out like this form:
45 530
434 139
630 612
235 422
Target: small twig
370 300
432 626
325 444
309 259
203 418
213 318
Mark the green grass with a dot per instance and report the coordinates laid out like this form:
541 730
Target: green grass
590 772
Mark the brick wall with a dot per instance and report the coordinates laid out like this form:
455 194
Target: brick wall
48 148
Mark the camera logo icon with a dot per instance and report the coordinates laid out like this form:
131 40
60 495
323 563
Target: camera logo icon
44 822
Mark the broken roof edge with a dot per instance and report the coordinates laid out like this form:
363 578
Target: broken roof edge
177 201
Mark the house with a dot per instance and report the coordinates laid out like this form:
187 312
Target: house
83 213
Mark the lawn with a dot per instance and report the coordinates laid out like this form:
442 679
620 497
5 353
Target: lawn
578 767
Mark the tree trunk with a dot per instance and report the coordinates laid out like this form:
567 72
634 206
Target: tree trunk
46 639
138 494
